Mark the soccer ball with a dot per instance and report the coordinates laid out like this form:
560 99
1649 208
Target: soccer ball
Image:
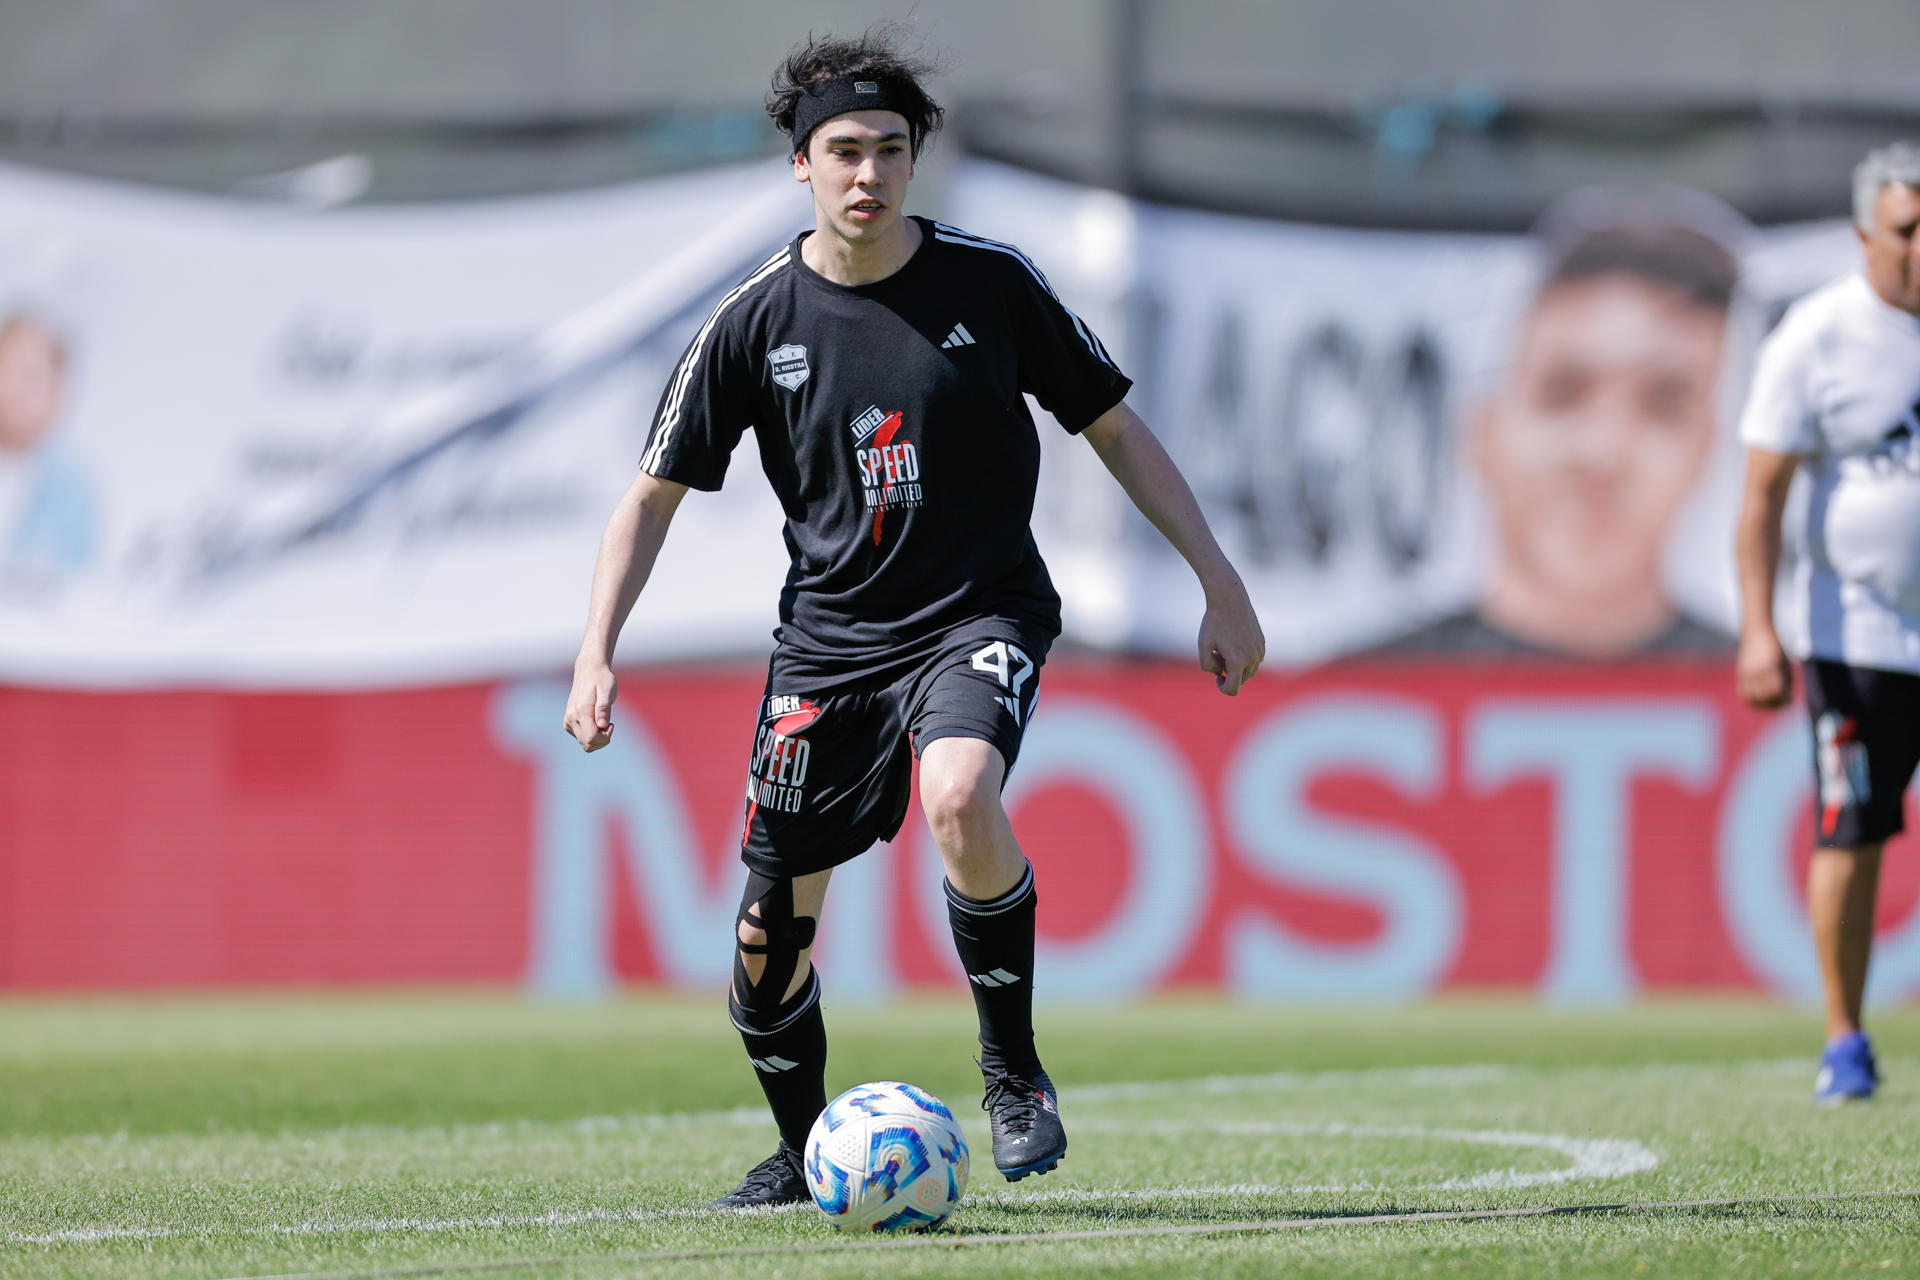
886 1156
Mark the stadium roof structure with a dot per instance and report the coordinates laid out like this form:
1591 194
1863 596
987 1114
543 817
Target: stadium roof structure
1472 114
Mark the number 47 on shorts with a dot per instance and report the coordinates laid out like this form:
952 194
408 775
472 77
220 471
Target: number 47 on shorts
1011 668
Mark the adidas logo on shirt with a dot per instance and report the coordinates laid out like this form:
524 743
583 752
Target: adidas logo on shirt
958 338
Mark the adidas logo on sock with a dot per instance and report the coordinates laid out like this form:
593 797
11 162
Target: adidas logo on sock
772 1065
958 338
994 978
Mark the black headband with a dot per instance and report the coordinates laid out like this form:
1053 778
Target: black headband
821 102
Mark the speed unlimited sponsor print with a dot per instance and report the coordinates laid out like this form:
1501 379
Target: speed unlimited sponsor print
778 774
889 466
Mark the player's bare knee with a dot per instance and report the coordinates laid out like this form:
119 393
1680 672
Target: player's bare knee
962 810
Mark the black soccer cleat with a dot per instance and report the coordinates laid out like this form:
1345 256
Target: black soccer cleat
1025 1114
774 1181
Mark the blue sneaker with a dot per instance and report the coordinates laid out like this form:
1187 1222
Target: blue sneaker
1848 1072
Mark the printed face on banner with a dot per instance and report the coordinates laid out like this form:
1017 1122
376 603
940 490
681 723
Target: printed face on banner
33 377
1588 449
48 512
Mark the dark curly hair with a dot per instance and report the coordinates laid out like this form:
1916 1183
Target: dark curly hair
882 51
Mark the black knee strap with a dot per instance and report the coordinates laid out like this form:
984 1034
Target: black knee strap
760 1005
791 934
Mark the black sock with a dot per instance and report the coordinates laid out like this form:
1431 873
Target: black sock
995 942
790 1057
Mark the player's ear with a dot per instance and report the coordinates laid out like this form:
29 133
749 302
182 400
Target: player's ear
800 166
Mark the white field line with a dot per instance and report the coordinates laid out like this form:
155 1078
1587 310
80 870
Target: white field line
1460 1077
1591 1158
384 1226
642 1122
1283 1081
957 1241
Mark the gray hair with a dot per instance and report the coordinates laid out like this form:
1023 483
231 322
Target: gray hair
1895 162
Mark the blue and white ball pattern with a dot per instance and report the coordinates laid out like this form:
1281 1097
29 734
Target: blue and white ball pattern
886 1157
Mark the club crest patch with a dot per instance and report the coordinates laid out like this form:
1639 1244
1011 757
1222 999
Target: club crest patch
789 364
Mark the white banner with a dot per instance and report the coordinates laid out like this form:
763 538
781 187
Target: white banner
1417 442
245 445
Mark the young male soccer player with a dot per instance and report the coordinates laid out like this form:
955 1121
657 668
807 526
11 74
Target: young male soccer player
1837 393
881 363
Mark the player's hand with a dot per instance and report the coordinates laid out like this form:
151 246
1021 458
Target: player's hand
1764 675
590 705
1232 646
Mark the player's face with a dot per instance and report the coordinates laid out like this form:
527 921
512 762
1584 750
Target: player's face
859 165
1605 424
1893 246
30 383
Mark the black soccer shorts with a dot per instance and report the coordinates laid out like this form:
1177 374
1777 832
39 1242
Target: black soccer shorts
1866 744
831 773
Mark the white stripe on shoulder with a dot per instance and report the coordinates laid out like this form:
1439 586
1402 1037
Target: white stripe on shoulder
954 235
670 410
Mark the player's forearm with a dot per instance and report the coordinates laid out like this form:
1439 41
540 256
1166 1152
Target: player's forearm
1759 556
1757 538
628 548
1154 484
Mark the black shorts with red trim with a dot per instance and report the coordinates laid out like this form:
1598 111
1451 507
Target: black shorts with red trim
1866 744
831 772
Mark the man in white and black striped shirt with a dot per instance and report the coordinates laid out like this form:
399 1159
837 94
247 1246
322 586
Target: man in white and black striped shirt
882 364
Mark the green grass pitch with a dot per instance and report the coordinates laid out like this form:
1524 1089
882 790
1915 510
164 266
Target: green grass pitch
431 1133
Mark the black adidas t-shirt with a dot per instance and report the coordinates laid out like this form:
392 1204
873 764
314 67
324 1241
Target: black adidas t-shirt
891 422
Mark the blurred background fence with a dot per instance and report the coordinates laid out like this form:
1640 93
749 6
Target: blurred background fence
329 335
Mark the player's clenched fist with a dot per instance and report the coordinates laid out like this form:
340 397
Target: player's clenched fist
1232 645
590 706
1764 675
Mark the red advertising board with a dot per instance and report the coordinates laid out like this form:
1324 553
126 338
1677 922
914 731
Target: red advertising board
1358 832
